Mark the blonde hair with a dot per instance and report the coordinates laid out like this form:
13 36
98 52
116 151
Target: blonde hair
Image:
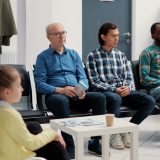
8 75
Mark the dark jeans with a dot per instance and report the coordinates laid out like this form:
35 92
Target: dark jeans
155 92
60 106
51 151
143 103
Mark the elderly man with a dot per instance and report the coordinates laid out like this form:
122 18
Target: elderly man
58 74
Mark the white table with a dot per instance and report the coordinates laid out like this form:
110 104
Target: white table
80 132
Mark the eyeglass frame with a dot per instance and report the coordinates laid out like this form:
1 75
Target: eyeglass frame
58 34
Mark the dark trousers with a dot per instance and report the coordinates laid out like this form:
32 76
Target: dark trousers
51 151
60 106
143 103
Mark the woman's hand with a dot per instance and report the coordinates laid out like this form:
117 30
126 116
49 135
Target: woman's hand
60 139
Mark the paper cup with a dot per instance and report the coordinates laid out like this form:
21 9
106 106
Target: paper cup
110 119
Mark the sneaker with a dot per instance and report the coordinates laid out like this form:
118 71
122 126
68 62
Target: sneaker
95 147
126 139
116 141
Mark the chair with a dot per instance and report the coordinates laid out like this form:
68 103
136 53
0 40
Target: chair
125 111
42 106
135 71
138 85
28 105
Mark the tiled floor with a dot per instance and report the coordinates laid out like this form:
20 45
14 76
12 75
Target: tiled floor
149 142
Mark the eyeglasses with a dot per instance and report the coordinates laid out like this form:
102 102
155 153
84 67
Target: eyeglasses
58 34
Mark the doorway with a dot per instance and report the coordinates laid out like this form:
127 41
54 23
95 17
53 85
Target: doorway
97 12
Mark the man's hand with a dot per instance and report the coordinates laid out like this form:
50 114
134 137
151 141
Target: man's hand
79 92
82 95
68 91
71 92
123 91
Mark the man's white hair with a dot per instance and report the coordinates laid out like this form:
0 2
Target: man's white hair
51 25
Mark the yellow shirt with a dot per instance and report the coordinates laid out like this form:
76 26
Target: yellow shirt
16 142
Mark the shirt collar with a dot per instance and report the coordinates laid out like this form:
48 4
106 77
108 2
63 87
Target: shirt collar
102 50
5 104
155 45
53 51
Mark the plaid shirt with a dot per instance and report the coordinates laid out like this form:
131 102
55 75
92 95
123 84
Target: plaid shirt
108 70
150 67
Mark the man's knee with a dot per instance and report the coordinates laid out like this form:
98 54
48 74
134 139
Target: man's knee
101 96
56 100
113 97
58 105
117 98
150 101
97 97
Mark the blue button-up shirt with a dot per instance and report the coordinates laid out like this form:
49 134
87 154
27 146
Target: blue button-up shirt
58 70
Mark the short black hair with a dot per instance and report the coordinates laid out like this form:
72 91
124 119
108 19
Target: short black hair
104 29
153 27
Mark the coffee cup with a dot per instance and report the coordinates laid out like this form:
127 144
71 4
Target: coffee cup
110 119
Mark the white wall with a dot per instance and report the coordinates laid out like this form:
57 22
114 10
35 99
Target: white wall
21 28
33 19
145 13
38 14
69 13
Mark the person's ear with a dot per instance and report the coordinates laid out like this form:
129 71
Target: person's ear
6 92
47 36
153 37
103 37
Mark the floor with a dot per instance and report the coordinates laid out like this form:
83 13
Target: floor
149 142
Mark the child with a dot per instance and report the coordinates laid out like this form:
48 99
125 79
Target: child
25 143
